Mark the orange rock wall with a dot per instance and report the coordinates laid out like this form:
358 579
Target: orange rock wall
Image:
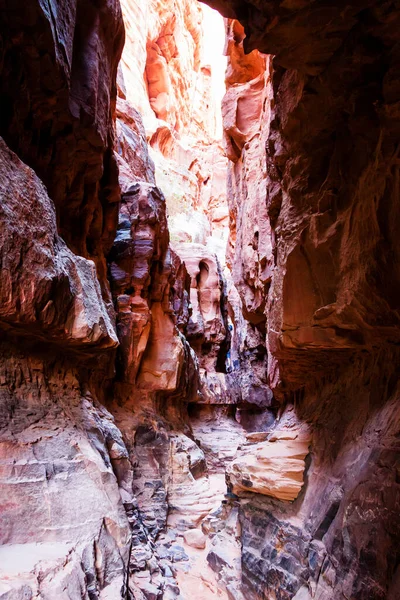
313 260
89 379
161 63
95 368
163 75
246 121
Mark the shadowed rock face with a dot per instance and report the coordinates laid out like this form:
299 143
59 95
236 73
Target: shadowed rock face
60 496
62 301
64 466
331 164
331 132
246 126
141 243
206 327
58 68
304 34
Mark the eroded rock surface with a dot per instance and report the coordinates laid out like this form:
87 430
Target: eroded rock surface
58 92
316 287
110 456
46 291
64 530
207 327
275 465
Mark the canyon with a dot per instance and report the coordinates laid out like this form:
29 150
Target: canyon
199 312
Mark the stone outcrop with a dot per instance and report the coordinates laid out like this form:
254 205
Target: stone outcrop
326 311
58 92
275 465
246 125
140 244
195 538
63 301
134 162
58 444
207 328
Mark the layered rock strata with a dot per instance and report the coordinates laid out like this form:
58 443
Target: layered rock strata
58 442
58 93
272 464
249 254
330 317
89 483
64 529
101 476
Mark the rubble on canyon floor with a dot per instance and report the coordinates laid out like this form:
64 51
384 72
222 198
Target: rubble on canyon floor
199 336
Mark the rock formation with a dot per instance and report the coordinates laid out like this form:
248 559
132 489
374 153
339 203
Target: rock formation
317 281
58 93
163 75
60 497
272 464
64 530
176 423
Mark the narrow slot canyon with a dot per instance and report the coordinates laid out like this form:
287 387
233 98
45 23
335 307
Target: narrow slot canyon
199 300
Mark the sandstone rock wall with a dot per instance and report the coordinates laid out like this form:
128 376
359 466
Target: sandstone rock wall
331 126
163 74
76 462
64 530
58 92
97 458
158 372
161 61
60 494
245 110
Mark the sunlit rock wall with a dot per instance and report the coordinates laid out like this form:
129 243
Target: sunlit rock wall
61 503
163 75
89 379
245 110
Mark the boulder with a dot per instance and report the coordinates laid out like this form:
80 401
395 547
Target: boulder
274 467
195 538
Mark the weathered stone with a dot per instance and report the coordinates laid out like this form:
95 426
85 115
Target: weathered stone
312 136
327 311
59 121
57 454
274 467
195 538
46 291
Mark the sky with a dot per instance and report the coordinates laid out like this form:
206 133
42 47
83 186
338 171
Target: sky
214 42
